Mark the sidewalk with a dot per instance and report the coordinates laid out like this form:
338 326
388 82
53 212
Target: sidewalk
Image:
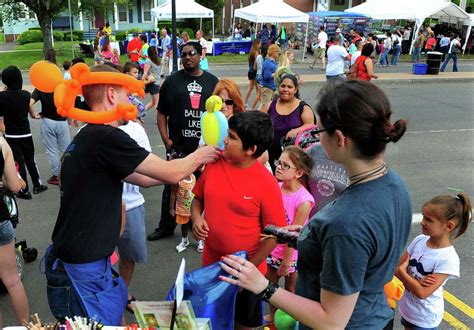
386 78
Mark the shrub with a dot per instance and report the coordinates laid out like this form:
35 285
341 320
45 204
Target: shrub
58 36
134 30
30 36
79 34
121 35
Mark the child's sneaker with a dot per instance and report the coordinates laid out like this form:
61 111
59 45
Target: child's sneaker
182 246
200 246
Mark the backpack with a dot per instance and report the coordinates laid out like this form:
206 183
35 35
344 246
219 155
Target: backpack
304 139
9 208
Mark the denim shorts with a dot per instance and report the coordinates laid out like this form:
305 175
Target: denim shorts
414 327
7 234
132 243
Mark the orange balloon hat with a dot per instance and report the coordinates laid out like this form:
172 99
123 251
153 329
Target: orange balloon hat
47 77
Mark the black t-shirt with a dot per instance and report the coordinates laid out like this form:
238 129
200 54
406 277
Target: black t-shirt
182 100
14 108
48 109
93 166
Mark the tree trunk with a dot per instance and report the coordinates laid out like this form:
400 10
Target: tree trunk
48 49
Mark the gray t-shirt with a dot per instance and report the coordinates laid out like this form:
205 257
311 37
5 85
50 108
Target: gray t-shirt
354 244
327 180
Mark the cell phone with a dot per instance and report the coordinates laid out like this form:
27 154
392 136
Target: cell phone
283 236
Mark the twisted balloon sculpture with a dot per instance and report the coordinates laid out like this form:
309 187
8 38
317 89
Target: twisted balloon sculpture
47 77
214 124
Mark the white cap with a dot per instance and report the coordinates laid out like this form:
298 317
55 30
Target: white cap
338 30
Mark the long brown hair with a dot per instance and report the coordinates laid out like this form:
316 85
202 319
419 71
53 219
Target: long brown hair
254 50
457 208
302 161
234 93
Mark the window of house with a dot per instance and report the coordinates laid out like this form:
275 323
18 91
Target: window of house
146 10
122 13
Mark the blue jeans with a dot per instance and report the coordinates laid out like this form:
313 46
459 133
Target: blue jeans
56 138
395 54
62 298
384 57
455 62
416 55
341 77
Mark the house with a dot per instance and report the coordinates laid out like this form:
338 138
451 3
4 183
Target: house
122 18
138 15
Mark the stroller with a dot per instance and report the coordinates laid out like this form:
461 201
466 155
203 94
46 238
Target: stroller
23 253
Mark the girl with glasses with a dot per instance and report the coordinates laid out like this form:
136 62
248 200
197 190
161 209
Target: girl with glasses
292 170
289 115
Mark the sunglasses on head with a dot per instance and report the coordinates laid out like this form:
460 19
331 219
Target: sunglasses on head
190 53
228 101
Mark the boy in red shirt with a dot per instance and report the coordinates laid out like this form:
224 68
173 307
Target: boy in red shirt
239 197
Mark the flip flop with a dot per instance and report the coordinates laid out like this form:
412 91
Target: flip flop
129 306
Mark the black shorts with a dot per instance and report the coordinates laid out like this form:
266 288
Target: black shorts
152 88
248 309
251 75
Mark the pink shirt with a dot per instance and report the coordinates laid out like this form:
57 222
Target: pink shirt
291 202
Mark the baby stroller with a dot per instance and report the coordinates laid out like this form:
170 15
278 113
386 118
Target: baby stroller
23 253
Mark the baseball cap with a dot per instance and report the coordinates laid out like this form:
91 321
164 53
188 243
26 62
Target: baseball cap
338 30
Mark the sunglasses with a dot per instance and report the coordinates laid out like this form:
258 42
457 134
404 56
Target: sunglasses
190 53
228 101
283 165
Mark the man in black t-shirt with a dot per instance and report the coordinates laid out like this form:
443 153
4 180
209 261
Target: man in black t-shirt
98 160
54 131
14 109
182 99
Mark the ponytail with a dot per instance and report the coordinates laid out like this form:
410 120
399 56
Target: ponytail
466 213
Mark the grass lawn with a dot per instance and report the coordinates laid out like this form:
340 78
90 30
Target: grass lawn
2 37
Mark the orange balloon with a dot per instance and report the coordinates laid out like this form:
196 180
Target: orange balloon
45 76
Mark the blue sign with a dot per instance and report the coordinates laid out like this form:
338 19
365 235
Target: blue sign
231 47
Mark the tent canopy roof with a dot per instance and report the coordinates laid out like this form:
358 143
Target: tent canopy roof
184 9
331 13
271 11
410 9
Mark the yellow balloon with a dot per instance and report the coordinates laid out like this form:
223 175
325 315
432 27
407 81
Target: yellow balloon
210 129
213 104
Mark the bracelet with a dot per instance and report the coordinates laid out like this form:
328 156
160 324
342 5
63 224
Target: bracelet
268 292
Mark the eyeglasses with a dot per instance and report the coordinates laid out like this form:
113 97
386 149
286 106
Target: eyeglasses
190 53
228 101
283 165
314 133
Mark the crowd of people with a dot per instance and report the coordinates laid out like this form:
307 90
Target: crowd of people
352 212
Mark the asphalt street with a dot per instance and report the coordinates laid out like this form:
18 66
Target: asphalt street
437 152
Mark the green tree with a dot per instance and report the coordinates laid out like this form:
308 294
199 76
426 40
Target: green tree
47 10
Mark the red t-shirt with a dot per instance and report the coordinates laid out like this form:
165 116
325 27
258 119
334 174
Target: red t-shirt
238 204
134 44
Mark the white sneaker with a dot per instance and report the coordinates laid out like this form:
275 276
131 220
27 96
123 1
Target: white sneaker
200 246
182 246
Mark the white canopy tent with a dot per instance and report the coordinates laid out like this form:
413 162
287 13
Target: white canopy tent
184 9
273 11
415 10
470 24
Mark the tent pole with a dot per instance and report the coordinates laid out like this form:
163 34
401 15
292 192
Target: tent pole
305 40
415 34
200 24
212 27
468 34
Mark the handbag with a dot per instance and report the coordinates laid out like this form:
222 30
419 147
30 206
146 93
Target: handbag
9 209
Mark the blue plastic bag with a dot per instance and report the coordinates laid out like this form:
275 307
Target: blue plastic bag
211 298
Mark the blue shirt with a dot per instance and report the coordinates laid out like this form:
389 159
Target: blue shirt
353 245
165 43
269 68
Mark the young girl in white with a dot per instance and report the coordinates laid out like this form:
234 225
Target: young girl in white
292 169
430 260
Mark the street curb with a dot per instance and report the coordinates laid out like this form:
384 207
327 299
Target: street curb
386 81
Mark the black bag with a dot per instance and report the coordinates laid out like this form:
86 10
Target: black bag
455 49
8 206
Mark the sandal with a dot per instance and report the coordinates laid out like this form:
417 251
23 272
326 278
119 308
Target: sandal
129 304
